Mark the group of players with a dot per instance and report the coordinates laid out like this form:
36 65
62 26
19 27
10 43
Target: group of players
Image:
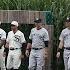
38 43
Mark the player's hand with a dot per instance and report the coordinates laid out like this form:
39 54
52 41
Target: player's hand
46 54
27 53
4 54
58 54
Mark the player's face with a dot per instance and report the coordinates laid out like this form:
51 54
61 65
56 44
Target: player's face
38 25
13 27
68 24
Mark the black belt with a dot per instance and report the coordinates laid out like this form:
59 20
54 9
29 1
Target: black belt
14 48
68 48
0 48
37 48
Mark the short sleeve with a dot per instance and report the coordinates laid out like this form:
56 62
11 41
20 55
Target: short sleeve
22 38
3 35
61 36
46 36
30 37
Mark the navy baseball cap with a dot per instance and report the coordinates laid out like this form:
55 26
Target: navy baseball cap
68 19
37 20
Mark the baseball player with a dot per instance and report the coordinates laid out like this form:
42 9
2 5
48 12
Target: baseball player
38 42
2 43
15 39
65 43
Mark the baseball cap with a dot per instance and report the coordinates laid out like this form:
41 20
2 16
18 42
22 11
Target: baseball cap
14 23
68 19
37 20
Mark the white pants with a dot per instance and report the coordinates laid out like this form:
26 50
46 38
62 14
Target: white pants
36 60
13 59
2 59
67 59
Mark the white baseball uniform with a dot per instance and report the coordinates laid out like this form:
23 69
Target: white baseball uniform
36 59
65 36
2 58
15 41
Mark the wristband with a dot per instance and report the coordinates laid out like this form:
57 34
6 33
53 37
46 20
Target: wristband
59 50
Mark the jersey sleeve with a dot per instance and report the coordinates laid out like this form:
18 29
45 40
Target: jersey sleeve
46 36
61 36
3 35
22 38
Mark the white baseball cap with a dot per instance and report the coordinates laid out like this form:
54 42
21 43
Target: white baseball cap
14 23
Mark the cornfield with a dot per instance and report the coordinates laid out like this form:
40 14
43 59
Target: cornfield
60 10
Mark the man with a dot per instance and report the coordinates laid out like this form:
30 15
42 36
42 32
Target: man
38 42
2 43
65 43
15 40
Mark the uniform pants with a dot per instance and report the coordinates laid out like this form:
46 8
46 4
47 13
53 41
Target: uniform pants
36 60
13 59
67 59
2 59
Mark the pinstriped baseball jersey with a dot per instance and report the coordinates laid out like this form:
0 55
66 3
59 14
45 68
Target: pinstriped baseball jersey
38 37
15 40
65 36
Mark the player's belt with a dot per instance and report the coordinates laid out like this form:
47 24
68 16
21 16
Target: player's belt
37 48
68 48
0 48
14 48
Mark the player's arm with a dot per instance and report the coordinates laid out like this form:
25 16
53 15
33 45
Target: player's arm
46 42
46 48
23 48
59 50
61 44
29 45
29 41
3 42
23 42
6 49
28 48
7 44
3 39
